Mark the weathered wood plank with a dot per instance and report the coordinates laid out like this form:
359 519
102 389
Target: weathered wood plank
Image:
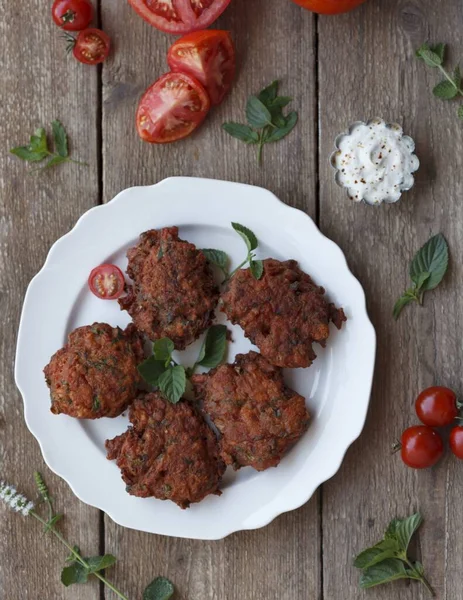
367 68
39 84
274 39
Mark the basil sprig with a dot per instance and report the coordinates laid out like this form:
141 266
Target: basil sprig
388 560
427 270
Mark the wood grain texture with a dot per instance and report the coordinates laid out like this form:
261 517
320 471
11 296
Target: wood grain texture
38 84
370 70
274 40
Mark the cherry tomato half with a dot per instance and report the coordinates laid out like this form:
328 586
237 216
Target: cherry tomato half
437 406
209 56
172 108
72 15
421 447
179 16
456 441
106 282
329 7
92 46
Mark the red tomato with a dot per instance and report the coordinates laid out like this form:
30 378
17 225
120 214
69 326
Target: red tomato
437 406
72 15
180 16
329 7
92 46
421 447
209 56
456 441
172 108
106 282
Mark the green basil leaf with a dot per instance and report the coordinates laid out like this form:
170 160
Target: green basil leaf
432 59
159 589
25 153
248 236
214 348
439 49
75 573
38 141
401 303
99 563
269 94
421 279
60 138
390 569
445 90
257 268
280 102
172 383
460 112
163 348
219 258
406 528
257 114
241 132
391 531
151 369
281 132
387 548
432 258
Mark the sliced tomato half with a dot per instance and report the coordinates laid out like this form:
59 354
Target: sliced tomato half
209 56
179 16
106 282
172 108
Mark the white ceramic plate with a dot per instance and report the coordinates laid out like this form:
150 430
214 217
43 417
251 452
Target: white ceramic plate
337 386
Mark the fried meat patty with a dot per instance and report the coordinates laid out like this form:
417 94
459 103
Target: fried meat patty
283 313
95 374
169 452
173 292
259 418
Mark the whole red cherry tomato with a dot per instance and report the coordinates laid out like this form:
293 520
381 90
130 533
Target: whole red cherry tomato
421 447
437 406
456 441
72 15
329 7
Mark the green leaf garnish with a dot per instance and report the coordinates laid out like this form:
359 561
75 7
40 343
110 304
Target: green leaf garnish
151 369
162 350
251 242
38 149
248 236
159 589
219 258
172 383
450 87
427 270
75 573
388 560
214 347
266 122
257 268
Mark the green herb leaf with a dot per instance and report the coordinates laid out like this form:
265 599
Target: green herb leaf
214 348
159 589
25 153
401 303
388 570
445 90
280 132
257 268
99 563
269 94
432 258
219 258
60 138
53 162
439 49
257 114
460 112
162 349
172 383
406 528
241 132
38 141
247 235
420 280
75 573
151 369
432 59
388 548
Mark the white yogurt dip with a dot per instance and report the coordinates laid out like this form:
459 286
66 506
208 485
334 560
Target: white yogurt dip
375 162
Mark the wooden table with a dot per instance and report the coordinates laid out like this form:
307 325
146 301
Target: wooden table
338 70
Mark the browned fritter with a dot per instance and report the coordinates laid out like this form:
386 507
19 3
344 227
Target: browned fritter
169 452
259 418
95 374
283 313
173 293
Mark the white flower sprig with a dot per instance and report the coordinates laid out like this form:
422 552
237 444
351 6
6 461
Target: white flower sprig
78 568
